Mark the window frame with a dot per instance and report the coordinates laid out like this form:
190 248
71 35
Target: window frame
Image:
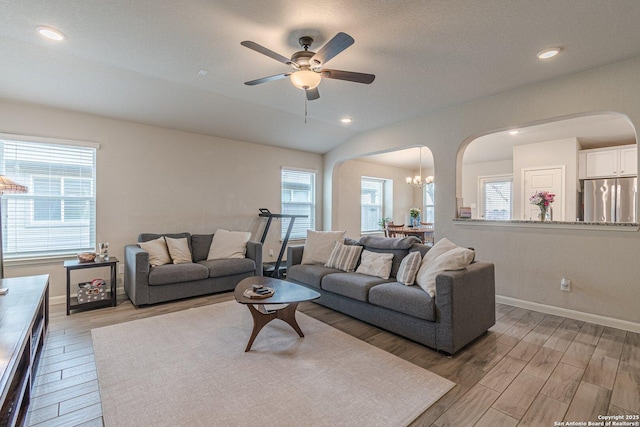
383 183
429 207
33 149
484 179
298 233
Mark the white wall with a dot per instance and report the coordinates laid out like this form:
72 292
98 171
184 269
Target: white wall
530 259
151 179
348 176
470 174
561 152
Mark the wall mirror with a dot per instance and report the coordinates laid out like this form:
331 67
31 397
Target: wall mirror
588 161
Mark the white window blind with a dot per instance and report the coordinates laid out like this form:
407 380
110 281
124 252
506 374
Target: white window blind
428 213
496 198
298 198
371 203
58 214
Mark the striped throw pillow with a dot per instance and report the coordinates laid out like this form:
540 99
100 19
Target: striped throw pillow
409 268
344 257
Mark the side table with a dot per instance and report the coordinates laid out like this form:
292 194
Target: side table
72 303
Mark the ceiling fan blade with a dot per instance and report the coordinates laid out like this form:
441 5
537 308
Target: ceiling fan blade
312 94
267 79
337 44
263 50
348 76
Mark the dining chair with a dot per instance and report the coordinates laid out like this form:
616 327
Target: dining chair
394 230
429 225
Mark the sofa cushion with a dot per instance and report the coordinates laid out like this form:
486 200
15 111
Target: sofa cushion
411 300
398 247
229 266
318 246
375 264
200 244
310 275
177 273
228 244
157 250
179 250
344 257
352 285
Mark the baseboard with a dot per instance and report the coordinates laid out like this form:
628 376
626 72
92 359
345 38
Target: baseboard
571 314
62 299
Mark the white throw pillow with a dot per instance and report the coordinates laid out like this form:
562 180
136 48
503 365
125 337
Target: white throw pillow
228 244
344 257
443 245
179 250
457 258
158 252
375 264
409 268
319 244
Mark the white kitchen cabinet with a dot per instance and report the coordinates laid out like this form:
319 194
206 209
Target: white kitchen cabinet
629 161
610 162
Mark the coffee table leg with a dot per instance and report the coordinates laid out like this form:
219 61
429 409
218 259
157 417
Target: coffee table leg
288 314
262 318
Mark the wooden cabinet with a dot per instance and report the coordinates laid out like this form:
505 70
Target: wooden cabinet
24 320
609 162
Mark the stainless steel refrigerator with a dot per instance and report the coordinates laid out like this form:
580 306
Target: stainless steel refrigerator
610 200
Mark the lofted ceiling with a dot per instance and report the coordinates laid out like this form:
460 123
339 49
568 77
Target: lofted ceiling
139 60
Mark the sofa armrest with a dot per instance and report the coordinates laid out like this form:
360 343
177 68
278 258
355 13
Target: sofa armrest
294 255
136 274
465 305
254 252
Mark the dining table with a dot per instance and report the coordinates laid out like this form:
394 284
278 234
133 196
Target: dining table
425 234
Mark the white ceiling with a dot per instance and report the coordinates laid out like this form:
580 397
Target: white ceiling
139 59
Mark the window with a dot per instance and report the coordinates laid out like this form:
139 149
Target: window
428 213
57 216
298 198
495 200
371 203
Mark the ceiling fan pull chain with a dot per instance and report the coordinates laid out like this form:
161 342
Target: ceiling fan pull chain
305 109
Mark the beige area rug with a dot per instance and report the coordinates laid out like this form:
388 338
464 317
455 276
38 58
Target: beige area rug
189 369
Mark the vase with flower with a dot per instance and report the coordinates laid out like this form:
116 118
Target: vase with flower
542 199
414 213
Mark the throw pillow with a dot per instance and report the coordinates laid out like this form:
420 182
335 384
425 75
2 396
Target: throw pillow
318 246
443 245
375 264
344 257
158 252
228 244
455 259
409 268
179 250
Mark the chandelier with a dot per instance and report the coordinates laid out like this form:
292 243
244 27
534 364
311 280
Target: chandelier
418 180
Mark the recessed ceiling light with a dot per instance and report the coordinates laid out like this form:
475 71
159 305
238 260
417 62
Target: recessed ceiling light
51 33
549 53
346 120
514 132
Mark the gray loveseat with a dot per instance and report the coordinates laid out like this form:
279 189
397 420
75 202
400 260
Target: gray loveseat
150 285
462 310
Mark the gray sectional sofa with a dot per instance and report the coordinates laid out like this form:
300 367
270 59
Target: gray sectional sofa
462 310
145 284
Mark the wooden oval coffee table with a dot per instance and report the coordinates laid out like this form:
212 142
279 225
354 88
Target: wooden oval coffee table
285 293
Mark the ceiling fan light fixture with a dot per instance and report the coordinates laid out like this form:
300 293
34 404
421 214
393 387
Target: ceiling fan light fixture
305 79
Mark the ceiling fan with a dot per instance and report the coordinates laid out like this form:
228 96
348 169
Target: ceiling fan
308 65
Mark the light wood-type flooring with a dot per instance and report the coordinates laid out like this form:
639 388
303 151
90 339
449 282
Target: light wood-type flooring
530 369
